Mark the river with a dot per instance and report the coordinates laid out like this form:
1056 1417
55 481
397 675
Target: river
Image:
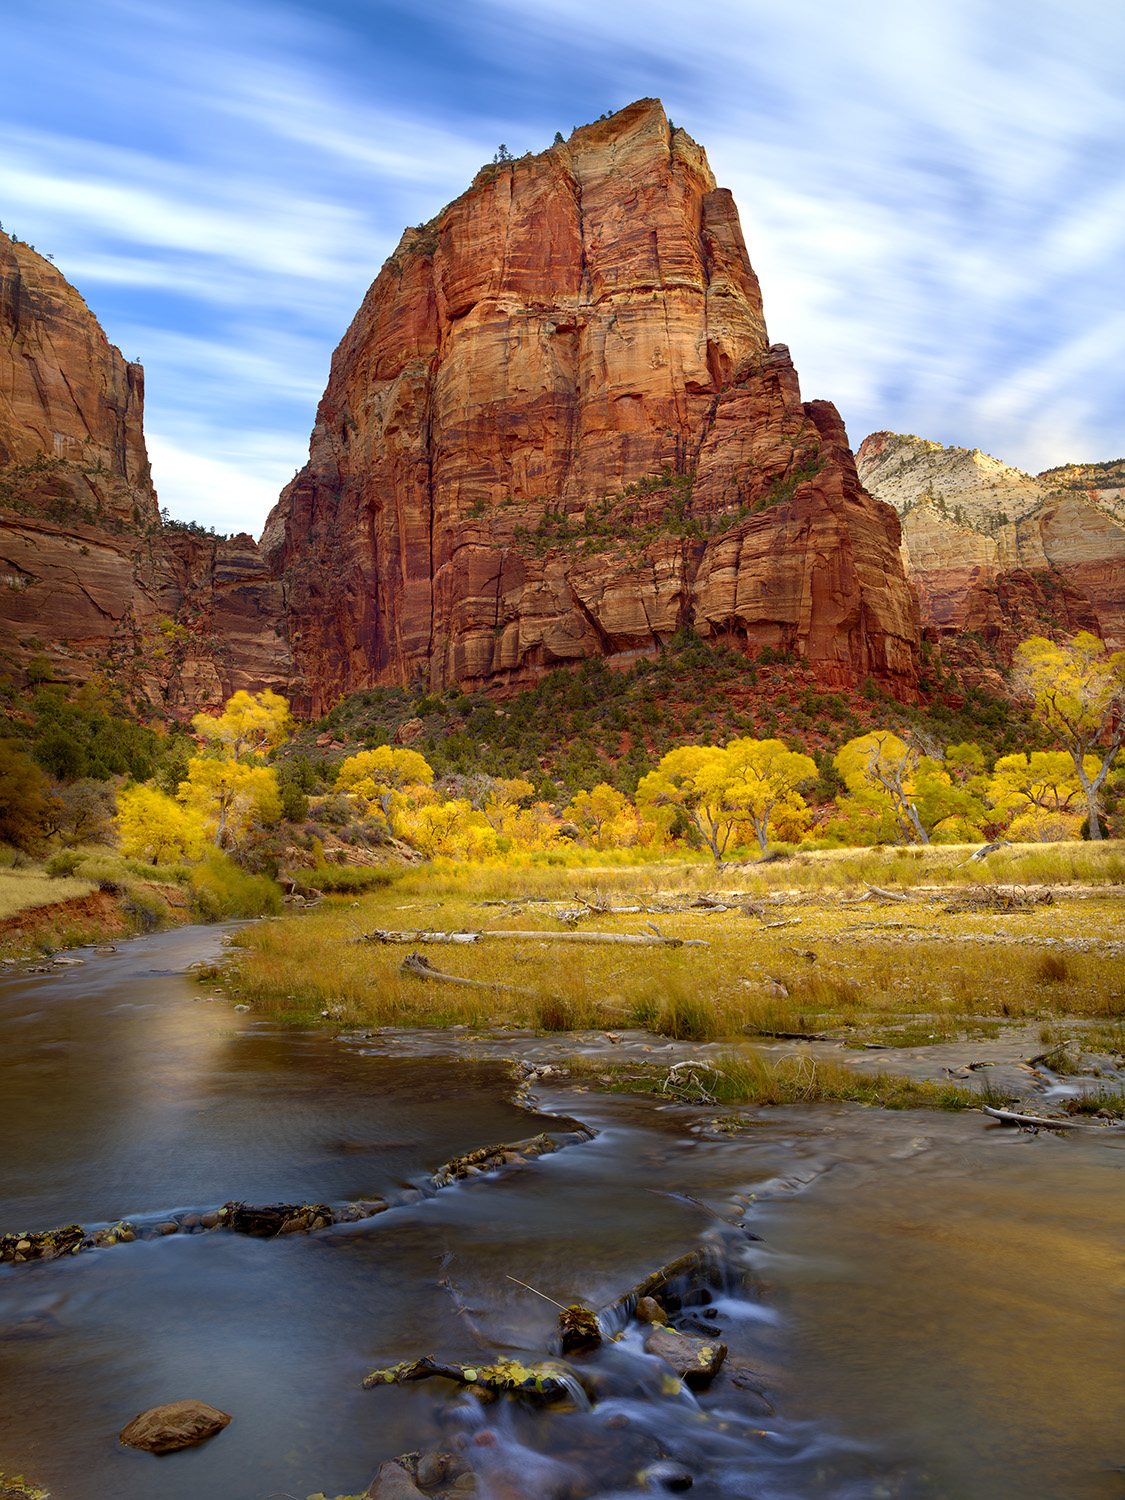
938 1303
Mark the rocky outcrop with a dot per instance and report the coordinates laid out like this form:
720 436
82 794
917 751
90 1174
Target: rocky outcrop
95 581
989 548
556 429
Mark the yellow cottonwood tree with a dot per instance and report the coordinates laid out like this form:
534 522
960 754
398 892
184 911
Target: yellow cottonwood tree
250 724
390 776
762 777
232 798
452 830
1045 779
151 825
906 793
229 786
689 778
501 798
1077 690
600 814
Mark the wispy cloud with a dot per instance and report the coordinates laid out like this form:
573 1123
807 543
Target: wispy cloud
933 195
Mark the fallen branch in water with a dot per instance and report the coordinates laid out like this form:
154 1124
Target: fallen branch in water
690 1065
447 1285
540 1379
266 1221
1009 1117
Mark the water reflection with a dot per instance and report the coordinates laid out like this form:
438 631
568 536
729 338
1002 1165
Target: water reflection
938 1315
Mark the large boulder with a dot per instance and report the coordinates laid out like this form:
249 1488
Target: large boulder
176 1424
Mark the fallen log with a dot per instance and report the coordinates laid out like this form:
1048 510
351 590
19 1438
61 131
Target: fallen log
491 1158
699 1263
416 935
420 967
1010 1117
877 890
625 939
546 1381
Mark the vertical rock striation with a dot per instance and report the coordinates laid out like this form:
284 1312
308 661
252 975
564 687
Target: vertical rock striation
556 428
94 581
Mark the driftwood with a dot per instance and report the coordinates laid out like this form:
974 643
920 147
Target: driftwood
417 935
689 1066
491 1158
695 1262
1010 1117
541 1379
877 890
271 1219
420 967
790 1036
625 939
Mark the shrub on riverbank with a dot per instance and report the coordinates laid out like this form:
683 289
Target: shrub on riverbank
220 889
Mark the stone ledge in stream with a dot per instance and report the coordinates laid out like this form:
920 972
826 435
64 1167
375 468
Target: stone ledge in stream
635 1354
269 1220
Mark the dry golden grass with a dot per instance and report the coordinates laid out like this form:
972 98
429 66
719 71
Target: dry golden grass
907 968
748 1078
20 890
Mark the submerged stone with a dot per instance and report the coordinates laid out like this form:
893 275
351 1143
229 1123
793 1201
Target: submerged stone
695 1360
393 1483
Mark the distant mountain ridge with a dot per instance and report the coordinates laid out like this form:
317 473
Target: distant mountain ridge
977 532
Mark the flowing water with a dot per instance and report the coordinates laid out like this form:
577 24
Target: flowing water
936 1305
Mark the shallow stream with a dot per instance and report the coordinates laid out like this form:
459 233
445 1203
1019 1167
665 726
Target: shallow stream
937 1307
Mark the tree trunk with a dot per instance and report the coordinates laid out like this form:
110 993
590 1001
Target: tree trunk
1091 788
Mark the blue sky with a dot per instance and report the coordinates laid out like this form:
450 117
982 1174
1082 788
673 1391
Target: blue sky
933 194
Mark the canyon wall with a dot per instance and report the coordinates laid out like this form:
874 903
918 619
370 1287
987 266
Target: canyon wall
556 428
1001 553
93 580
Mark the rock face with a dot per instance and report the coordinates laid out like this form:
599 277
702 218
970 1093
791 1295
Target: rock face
977 533
556 428
95 580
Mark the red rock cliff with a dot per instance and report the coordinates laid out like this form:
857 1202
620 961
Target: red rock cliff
556 428
94 581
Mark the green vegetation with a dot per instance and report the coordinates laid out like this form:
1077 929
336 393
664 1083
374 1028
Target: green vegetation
748 1078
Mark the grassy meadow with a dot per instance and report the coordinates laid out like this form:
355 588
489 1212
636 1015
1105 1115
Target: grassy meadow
795 951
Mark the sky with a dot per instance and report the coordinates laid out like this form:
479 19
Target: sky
932 194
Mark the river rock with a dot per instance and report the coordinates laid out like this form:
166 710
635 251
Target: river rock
695 1360
650 1311
393 1483
667 1476
439 1468
176 1424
